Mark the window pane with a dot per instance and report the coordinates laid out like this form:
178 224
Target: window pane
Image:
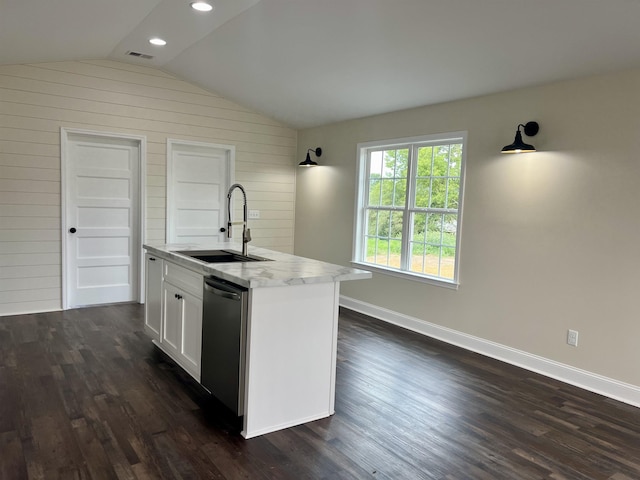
422 192
424 161
395 244
447 262
372 223
425 260
396 225
449 229
434 228
383 224
400 193
395 248
375 164
375 188
382 248
384 238
438 191
456 160
417 257
394 161
402 163
389 164
387 192
453 192
377 250
371 248
419 227
440 161
432 264
391 191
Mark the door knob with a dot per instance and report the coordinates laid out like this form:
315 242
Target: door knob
222 229
72 230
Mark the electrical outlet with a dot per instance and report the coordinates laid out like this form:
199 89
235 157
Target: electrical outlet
572 338
254 213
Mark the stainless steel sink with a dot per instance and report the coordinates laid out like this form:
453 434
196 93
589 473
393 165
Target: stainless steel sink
221 256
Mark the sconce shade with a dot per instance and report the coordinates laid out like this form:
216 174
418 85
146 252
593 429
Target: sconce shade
307 161
518 145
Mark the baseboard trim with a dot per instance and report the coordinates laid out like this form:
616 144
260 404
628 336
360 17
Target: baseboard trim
593 382
29 312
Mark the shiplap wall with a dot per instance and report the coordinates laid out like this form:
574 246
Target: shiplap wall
36 100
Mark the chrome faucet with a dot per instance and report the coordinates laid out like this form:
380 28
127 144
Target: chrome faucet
246 233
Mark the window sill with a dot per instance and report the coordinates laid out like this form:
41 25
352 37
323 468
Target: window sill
406 275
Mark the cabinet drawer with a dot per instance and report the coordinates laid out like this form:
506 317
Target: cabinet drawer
184 278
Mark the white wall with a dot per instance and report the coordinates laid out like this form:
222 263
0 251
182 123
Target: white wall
36 100
549 240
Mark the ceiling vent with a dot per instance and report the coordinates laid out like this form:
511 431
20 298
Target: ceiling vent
140 55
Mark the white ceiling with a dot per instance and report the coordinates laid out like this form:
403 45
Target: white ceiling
311 62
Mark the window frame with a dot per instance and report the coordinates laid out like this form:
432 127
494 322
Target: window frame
361 205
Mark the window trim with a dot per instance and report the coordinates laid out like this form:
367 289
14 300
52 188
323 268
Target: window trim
362 150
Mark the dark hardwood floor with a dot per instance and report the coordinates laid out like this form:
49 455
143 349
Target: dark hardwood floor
84 395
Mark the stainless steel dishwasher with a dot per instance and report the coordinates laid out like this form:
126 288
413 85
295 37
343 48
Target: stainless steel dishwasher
224 323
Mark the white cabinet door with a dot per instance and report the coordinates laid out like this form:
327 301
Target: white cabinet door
191 334
182 330
172 320
153 302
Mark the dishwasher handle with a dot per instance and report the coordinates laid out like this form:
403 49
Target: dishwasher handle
216 290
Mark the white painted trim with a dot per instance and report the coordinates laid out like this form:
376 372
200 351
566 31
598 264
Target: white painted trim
171 144
282 426
593 382
64 138
142 215
142 195
414 277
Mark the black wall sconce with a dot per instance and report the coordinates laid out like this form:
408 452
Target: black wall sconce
518 146
307 161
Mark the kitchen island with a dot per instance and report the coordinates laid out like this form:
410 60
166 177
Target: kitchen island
289 364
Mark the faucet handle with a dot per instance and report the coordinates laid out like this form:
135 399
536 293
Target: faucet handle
247 236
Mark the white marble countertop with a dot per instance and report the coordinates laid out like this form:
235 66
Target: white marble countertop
283 269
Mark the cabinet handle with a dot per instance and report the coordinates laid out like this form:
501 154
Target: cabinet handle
179 297
151 259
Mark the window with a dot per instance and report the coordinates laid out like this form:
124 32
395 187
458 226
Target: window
409 206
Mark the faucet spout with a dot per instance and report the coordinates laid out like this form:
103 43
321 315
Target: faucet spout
246 233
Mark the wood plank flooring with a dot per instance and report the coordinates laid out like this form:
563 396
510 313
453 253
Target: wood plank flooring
84 395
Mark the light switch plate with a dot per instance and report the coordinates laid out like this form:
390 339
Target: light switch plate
254 213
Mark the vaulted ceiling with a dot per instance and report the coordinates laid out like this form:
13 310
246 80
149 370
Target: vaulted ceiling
311 62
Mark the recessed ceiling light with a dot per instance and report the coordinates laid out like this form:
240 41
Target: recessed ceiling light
157 41
202 6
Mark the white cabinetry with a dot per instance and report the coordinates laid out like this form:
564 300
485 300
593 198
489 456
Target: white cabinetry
182 317
291 336
182 332
153 302
173 314
291 356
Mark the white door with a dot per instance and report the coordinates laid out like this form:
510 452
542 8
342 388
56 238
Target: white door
198 176
102 208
